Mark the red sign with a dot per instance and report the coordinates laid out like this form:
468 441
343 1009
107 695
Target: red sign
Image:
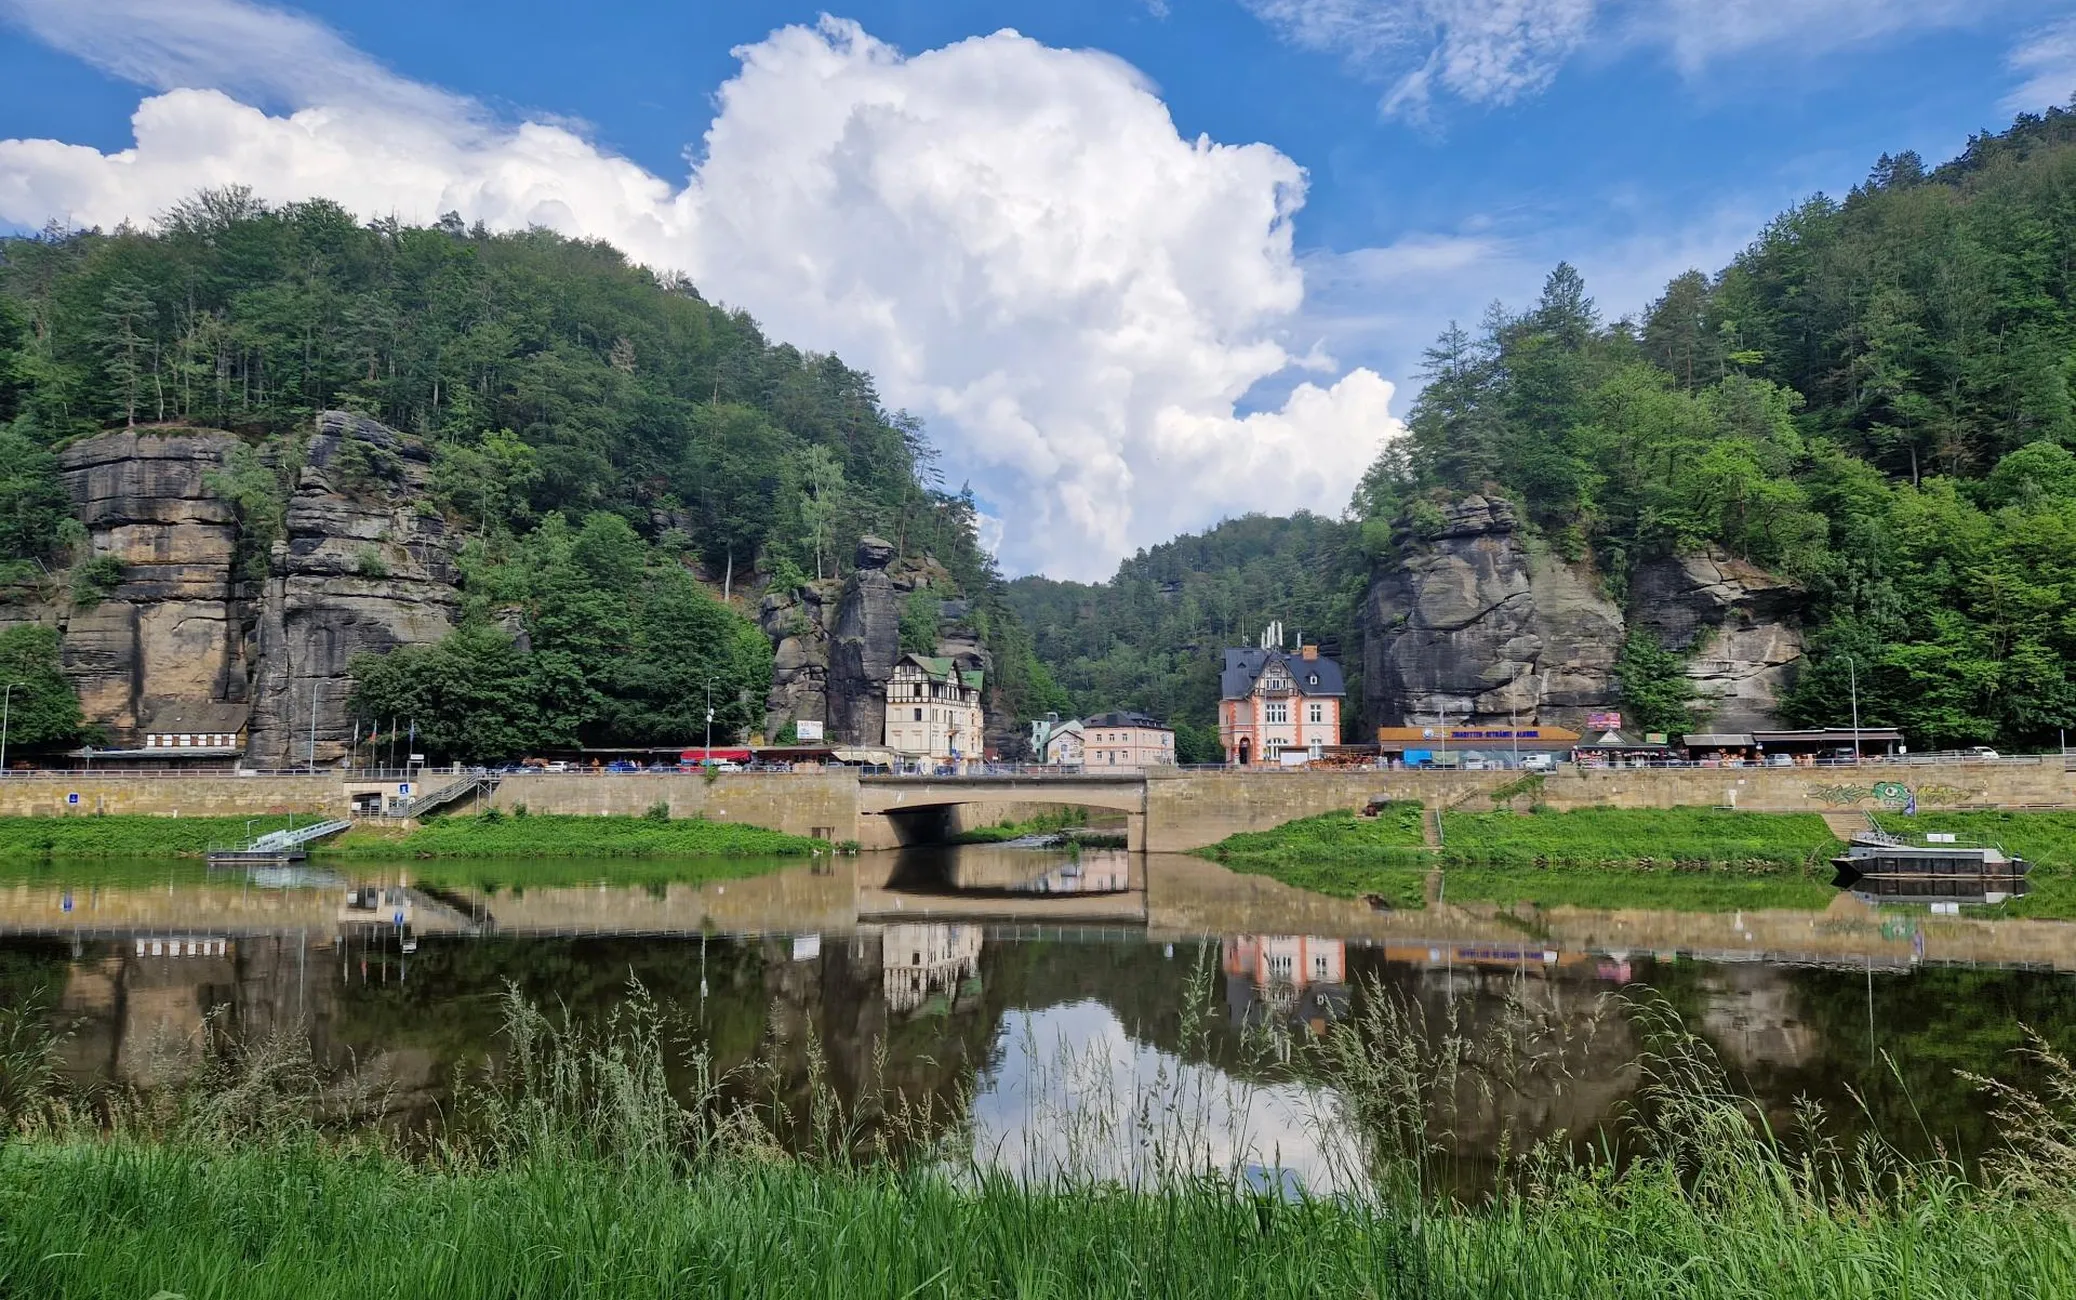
1604 721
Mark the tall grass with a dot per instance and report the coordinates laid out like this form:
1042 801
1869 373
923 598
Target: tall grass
592 1161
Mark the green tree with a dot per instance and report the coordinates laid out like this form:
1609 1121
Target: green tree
1656 693
33 503
43 711
919 623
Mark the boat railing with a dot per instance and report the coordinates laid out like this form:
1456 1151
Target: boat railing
1925 840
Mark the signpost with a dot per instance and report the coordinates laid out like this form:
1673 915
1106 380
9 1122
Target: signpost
806 729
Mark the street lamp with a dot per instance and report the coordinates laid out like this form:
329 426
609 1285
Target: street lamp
709 756
6 705
1852 678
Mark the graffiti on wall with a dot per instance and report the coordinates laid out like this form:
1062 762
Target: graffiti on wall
1893 795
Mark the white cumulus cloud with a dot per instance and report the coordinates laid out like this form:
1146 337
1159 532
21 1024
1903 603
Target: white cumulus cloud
1013 238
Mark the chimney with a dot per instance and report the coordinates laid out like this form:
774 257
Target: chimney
1309 652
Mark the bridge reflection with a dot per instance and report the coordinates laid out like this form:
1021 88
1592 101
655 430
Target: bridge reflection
1156 897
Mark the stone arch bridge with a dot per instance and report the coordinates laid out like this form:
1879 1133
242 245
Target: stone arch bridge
893 811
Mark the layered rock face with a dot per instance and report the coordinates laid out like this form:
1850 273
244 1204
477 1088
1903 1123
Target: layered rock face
837 642
361 569
1735 620
1474 626
173 628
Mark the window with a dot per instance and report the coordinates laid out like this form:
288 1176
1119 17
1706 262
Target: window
1319 966
1316 713
918 715
1313 680
1275 750
1279 968
1278 711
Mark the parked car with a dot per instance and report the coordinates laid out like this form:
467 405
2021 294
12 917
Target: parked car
1980 752
1538 763
623 765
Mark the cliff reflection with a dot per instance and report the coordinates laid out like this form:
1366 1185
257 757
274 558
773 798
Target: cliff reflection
904 1005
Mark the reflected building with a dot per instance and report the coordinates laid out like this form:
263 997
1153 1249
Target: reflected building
926 961
1285 977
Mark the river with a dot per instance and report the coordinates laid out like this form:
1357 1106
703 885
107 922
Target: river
1036 998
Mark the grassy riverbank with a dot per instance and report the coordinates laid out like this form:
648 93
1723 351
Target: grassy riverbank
1690 859
117 836
583 1173
486 835
128 1220
497 834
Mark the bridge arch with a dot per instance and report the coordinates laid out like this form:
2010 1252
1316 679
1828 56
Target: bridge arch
894 811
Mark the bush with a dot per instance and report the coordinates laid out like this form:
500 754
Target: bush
96 580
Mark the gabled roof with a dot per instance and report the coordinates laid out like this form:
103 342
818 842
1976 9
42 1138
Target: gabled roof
197 718
944 669
1243 668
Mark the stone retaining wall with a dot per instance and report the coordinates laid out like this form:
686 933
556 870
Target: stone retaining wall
821 804
39 795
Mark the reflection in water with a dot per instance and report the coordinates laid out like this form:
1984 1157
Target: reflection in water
1040 1016
1077 1094
924 962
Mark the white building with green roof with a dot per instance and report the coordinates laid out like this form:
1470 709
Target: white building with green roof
933 710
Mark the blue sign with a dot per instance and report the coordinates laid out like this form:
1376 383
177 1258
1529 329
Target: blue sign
399 918
72 799
403 787
68 900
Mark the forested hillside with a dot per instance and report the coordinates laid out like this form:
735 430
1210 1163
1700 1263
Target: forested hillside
1150 638
601 435
1874 399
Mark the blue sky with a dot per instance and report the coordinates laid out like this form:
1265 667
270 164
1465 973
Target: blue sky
1114 333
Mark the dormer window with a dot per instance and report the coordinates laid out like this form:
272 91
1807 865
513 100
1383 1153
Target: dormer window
1312 680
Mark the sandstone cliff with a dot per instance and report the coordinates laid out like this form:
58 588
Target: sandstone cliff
836 642
363 568
173 628
1475 624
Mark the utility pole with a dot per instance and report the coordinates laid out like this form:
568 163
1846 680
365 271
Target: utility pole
1852 677
6 706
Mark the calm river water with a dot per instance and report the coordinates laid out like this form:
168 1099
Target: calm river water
1034 997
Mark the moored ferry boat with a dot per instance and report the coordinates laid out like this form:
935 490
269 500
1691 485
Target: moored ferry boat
1928 868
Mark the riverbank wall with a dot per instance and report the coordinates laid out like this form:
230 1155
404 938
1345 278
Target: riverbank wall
1182 810
1191 809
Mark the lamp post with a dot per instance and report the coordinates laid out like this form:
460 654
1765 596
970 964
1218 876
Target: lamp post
709 720
1852 678
6 705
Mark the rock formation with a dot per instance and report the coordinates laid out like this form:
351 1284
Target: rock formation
1476 625
172 628
1735 621
362 569
797 622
